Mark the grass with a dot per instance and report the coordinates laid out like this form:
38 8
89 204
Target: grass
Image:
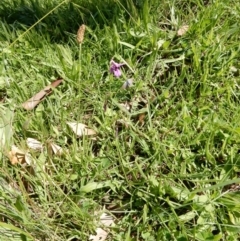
167 168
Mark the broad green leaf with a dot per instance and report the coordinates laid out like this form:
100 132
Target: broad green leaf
137 34
167 61
91 186
3 82
188 216
160 43
127 45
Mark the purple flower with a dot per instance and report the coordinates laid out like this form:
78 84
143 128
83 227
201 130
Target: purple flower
115 68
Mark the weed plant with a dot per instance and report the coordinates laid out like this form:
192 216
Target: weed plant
165 162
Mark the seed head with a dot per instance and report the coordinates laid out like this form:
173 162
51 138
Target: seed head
80 33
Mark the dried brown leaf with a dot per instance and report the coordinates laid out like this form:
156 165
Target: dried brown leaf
127 106
34 144
127 84
101 235
56 150
36 99
17 156
141 118
106 220
81 129
182 30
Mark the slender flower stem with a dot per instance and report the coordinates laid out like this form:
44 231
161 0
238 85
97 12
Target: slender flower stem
80 61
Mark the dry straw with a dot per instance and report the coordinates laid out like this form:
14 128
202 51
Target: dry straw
80 33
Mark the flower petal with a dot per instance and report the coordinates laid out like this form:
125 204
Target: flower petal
112 69
119 65
115 68
117 73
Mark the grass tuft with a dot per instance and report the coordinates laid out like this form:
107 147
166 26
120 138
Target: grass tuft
165 158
